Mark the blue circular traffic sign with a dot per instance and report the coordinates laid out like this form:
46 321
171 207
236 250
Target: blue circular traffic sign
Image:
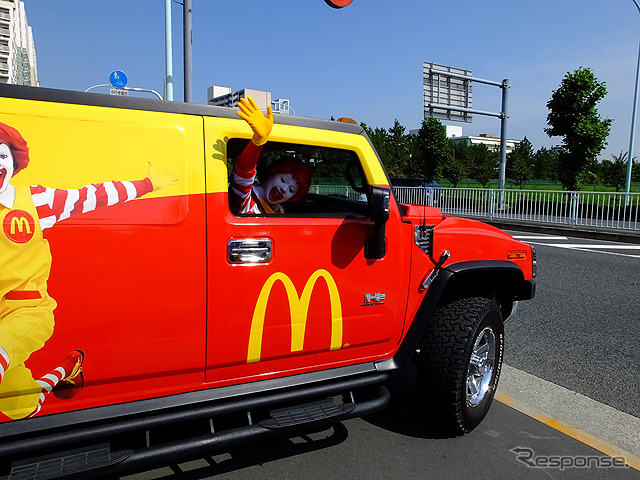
118 79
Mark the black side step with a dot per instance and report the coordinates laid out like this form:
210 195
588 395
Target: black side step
68 464
378 400
99 432
140 441
307 414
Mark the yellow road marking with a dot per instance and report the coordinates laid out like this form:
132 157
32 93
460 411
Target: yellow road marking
588 439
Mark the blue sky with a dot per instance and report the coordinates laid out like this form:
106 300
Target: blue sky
363 61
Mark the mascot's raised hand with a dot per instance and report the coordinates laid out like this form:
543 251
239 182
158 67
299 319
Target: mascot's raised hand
259 123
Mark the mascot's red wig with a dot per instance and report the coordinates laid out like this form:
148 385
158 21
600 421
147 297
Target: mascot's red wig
300 171
18 146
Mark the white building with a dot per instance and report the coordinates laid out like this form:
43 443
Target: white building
491 141
283 106
224 97
454 133
17 51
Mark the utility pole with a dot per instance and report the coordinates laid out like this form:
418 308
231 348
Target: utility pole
168 51
188 44
633 119
503 135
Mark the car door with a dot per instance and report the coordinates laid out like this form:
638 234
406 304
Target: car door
296 292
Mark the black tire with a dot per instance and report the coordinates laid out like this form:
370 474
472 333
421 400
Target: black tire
448 375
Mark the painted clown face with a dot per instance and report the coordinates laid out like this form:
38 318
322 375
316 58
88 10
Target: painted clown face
6 166
280 187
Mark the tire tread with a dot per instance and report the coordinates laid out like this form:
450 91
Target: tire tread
442 362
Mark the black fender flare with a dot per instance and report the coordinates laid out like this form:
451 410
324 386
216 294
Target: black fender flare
520 289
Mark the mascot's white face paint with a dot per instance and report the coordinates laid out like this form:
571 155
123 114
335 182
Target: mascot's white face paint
6 166
280 187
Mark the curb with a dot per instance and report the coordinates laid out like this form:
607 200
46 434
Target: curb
600 426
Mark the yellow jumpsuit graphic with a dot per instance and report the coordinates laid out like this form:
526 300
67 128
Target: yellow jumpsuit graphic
26 310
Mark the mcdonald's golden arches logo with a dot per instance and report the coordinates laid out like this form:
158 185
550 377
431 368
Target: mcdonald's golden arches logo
19 226
299 307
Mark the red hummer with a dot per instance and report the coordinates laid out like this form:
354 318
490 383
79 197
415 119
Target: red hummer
145 315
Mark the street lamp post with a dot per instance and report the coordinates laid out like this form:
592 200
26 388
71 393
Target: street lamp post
168 51
188 46
633 116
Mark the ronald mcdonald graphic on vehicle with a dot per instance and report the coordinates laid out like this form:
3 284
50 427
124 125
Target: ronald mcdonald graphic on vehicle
26 308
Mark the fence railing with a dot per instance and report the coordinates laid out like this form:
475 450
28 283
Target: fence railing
589 209
344 191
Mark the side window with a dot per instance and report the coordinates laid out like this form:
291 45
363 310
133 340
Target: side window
330 182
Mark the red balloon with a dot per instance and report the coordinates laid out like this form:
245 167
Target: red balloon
338 3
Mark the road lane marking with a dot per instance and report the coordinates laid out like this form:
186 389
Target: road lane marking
581 249
605 246
538 237
610 431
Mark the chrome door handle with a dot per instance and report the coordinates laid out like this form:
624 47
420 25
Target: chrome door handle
249 250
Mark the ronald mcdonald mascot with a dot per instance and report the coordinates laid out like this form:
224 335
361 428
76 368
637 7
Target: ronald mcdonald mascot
26 309
286 180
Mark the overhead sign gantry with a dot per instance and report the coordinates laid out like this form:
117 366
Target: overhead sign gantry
447 96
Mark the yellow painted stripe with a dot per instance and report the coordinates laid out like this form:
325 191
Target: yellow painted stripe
588 439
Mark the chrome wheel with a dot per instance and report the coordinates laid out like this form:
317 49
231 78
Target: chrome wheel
481 367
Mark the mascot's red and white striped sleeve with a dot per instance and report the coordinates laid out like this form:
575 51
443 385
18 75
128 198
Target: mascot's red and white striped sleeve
54 205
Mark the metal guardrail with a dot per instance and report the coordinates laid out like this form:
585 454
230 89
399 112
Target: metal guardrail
343 191
588 209
606 210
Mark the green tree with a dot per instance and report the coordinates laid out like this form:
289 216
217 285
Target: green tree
398 149
574 117
458 165
545 164
614 172
393 148
380 142
520 163
431 149
484 163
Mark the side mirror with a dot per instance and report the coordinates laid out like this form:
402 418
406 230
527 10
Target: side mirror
379 204
376 246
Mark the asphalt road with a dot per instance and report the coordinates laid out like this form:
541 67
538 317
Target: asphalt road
397 444
580 332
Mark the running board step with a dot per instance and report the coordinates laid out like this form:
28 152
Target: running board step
306 414
66 463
